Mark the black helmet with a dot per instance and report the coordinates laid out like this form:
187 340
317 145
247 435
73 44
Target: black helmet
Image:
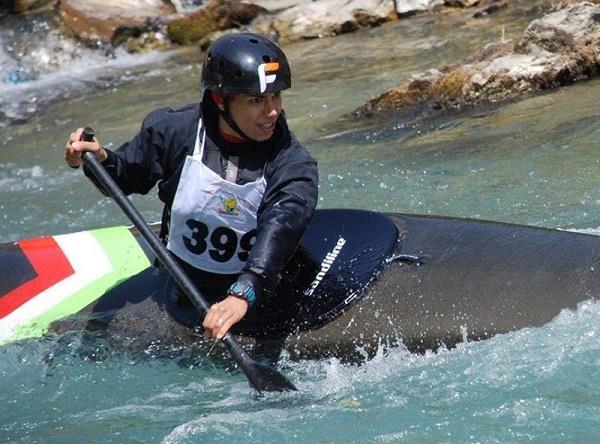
245 63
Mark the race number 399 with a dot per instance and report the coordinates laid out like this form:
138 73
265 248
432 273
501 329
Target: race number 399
223 241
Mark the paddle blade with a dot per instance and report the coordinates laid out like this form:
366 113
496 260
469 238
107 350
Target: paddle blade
261 377
266 379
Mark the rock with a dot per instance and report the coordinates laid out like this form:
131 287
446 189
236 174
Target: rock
561 48
491 51
462 3
145 41
407 7
101 21
209 39
21 6
274 6
311 19
215 15
562 3
186 6
409 94
493 7
541 36
576 19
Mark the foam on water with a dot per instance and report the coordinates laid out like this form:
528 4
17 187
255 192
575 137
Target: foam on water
14 179
533 384
41 64
19 101
593 231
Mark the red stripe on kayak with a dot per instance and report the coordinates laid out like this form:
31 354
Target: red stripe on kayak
51 266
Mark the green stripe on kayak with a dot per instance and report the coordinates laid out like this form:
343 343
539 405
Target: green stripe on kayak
127 259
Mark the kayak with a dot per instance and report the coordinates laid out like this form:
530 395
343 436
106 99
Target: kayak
359 279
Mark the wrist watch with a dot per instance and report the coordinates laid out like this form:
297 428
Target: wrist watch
243 290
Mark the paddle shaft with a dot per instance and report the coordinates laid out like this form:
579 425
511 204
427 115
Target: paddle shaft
246 363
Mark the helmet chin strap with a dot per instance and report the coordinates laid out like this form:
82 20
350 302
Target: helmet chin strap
234 126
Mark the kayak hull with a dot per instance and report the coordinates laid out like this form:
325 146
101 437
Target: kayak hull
422 281
475 280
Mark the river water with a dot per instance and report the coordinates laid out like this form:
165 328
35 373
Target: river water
532 161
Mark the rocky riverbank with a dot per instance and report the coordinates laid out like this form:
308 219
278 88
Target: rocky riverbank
146 24
561 48
558 49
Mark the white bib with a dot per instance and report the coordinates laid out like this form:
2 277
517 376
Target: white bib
213 221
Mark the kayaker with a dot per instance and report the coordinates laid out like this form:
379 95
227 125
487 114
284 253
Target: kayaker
239 188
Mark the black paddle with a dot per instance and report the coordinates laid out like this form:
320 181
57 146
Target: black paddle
260 376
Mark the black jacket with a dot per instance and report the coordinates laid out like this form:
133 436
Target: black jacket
157 154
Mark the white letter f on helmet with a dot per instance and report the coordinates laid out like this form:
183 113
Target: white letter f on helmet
265 79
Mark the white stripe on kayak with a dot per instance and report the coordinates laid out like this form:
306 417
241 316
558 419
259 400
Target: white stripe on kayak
90 263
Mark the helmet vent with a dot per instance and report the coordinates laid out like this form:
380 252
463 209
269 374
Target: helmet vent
266 58
253 41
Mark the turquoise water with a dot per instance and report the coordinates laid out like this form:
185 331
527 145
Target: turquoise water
533 161
537 385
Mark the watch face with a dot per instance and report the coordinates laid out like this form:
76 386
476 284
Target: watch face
239 288
244 291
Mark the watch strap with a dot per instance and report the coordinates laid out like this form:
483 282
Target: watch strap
244 290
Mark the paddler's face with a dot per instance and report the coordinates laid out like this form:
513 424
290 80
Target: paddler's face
256 115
